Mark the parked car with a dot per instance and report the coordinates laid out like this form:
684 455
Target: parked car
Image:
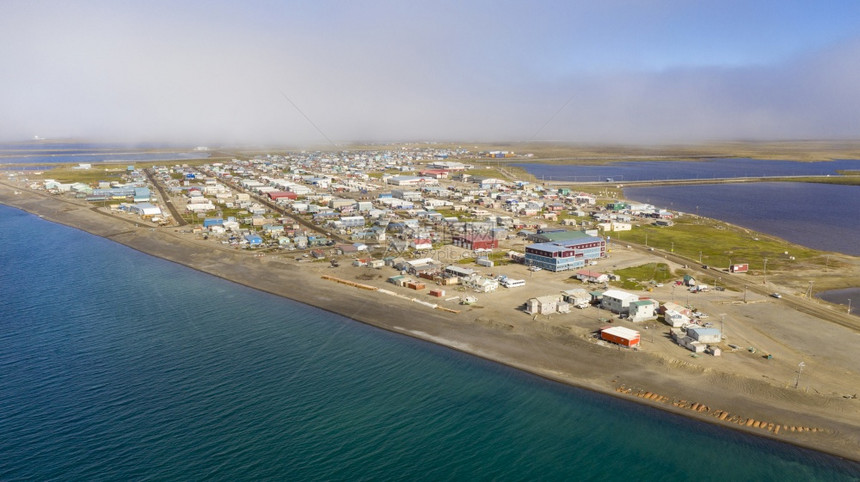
775 295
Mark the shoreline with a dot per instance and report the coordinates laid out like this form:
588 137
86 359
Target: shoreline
587 366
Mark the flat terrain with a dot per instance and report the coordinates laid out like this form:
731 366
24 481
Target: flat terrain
740 389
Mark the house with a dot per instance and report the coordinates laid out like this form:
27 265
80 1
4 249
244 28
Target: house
642 310
481 284
577 297
705 335
352 221
254 240
543 305
687 342
459 272
421 244
675 319
591 276
617 301
672 306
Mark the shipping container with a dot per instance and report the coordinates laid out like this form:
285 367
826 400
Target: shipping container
739 268
620 335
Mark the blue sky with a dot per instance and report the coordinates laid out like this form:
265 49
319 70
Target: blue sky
581 71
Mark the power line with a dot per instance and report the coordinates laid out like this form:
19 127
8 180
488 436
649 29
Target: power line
307 118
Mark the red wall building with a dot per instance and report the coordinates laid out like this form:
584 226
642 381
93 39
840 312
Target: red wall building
476 241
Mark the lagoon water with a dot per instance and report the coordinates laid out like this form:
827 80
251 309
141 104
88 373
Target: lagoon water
82 152
702 169
116 365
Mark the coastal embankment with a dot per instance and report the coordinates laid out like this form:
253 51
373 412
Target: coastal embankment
824 422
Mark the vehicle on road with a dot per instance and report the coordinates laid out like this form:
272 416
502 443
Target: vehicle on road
775 295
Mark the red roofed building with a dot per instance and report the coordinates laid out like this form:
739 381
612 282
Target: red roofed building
275 195
475 241
434 173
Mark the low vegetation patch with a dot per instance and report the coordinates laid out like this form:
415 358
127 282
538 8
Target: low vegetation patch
639 277
715 243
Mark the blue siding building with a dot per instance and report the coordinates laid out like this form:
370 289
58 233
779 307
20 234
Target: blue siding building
563 256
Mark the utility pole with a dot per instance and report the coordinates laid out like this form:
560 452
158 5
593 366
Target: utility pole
849 306
765 271
700 257
799 372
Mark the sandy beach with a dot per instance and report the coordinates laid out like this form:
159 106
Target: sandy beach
738 391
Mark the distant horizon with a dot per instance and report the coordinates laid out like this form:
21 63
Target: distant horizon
156 144
330 72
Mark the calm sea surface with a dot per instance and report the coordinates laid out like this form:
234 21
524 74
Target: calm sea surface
116 365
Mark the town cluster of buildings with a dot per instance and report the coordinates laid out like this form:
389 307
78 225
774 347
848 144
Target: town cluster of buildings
407 202
687 326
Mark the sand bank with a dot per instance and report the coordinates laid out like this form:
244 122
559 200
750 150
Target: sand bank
742 401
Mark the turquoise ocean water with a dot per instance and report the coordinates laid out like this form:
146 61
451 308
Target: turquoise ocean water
115 365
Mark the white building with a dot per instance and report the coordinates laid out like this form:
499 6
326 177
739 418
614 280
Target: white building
642 310
617 301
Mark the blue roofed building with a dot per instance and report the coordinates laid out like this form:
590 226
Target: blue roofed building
254 240
142 195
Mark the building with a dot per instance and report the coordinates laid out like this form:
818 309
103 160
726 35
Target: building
142 195
475 241
561 256
617 301
591 276
421 244
254 240
145 209
458 271
688 342
577 297
275 195
481 284
620 335
544 305
643 310
739 268
352 221
705 335
675 319
209 222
